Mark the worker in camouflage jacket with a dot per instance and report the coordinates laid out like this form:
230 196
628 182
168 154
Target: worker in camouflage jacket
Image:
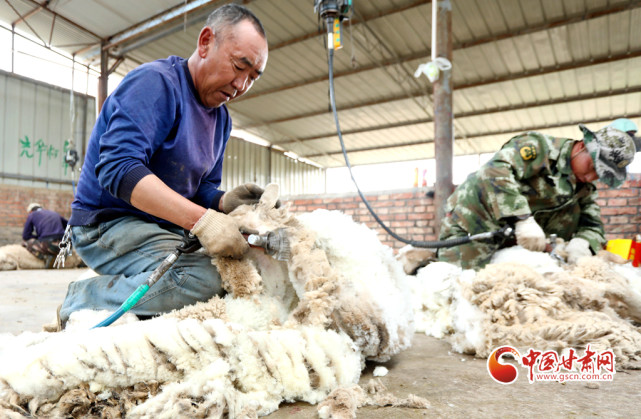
541 185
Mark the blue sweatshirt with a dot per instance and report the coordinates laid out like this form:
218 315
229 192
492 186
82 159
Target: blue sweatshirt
46 224
155 123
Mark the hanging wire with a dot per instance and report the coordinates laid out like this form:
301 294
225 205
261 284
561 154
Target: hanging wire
70 158
434 244
351 38
72 110
72 121
185 17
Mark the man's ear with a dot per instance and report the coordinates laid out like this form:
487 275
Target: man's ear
577 148
205 39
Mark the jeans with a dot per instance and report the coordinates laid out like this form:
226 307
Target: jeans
124 252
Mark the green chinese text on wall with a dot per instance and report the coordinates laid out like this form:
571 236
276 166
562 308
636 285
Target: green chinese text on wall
41 150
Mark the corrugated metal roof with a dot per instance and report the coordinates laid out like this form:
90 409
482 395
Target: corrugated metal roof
518 65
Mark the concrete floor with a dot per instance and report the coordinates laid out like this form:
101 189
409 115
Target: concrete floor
457 386
30 297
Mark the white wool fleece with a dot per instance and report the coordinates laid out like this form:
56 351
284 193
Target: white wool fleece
528 302
370 269
541 262
200 358
442 311
433 291
236 355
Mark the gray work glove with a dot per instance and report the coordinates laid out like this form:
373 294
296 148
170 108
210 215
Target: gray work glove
530 235
246 194
220 236
577 248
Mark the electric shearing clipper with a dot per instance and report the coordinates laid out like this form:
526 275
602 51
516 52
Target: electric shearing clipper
275 243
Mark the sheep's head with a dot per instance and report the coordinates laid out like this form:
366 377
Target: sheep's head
7 263
263 216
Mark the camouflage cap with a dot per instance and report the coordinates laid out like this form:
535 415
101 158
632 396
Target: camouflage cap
611 151
624 124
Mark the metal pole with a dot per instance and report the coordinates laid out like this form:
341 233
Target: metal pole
13 48
269 163
72 103
103 81
34 178
443 131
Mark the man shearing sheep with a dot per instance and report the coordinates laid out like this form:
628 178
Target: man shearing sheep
541 185
153 168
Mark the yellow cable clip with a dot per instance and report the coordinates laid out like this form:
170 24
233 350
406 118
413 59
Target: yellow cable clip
338 44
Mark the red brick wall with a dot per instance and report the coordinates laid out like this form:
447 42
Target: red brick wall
620 209
14 201
409 213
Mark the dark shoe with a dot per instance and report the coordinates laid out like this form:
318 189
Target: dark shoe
49 261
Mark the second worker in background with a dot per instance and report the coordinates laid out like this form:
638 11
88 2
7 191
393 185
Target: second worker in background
541 185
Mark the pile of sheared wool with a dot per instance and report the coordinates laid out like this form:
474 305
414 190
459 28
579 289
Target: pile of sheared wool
525 299
285 331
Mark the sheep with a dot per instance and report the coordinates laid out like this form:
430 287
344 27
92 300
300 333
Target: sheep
15 256
534 303
339 283
285 331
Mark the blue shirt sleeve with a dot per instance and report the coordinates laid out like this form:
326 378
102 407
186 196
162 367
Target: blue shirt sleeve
27 232
139 119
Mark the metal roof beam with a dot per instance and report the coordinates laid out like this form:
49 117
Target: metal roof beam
44 6
511 77
480 135
422 54
561 22
353 21
157 26
537 104
391 61
605 11
338 109
159 20
29 13
21 18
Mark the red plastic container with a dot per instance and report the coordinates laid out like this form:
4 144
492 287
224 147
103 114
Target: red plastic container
635 252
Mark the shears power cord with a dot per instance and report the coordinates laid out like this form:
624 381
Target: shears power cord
436 244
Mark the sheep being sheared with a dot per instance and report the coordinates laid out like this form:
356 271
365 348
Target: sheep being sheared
15 256
339 274
533 304
288 331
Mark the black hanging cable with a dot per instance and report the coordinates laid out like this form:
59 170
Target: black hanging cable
70 158
503 232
